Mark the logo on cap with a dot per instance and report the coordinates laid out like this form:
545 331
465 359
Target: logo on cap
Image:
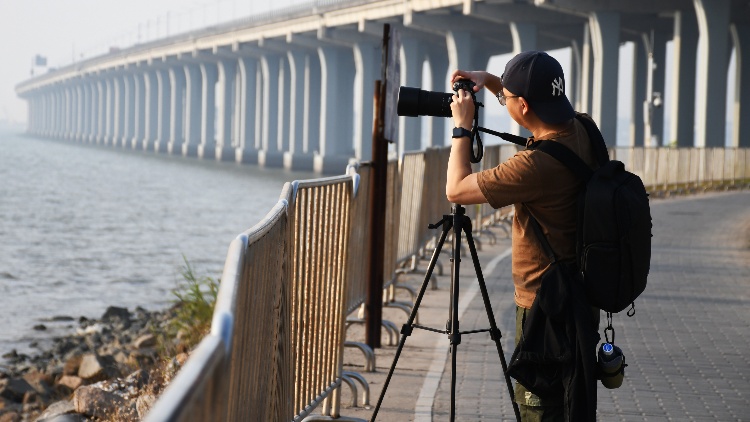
558 86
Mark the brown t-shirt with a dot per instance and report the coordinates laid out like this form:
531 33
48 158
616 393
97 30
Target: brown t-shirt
550 191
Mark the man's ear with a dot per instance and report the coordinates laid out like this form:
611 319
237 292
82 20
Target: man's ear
525 109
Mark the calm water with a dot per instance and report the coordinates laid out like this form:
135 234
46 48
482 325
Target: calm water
86 227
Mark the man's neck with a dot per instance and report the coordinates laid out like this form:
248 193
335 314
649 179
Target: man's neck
547 131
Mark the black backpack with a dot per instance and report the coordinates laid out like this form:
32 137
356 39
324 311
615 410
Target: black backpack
613 248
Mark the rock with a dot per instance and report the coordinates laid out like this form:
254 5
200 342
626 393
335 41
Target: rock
40 327
56 409
41 382
70 381
115 314
138 379
14 389
69 417
143 404
10 417
72 364
96 368
144 341
90 400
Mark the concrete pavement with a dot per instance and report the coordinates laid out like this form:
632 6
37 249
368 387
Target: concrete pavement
686 348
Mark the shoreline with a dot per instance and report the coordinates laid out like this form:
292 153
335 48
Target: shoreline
106 368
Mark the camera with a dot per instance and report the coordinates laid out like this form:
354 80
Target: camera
414 102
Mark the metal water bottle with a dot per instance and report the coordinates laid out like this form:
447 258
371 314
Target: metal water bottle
612 365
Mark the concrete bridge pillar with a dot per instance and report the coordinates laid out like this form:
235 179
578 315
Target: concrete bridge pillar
164 103
75 118
741 112
225 111
139 116
176 109
68 114
101 118
151 112
412 60
117 101
109 132
464 53
337 117
585 86
638 93
682 98
56 110
283 107
298 157
656 46
93 111
436 126
207 147
65 108
524 39
129 112
366 64
312 98
246 150
270 154
605 37
713 23
83 134
193 102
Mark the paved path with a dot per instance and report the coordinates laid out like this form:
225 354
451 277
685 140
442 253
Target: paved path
687 346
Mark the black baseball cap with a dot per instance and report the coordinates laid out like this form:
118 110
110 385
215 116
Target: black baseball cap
538 77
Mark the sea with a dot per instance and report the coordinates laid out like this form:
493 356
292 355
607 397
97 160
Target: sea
84 227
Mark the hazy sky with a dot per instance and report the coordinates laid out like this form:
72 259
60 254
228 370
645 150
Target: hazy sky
62 29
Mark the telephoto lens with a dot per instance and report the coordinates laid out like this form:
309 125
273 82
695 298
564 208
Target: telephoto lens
611 365
414 102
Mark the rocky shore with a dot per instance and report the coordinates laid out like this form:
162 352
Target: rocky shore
110 369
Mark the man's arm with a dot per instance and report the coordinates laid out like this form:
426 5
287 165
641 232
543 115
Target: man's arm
462 186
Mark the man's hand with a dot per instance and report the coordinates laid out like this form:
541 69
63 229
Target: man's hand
462 107
482 79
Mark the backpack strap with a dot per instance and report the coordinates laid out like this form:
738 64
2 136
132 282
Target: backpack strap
570 159
542 238
598 146
564 155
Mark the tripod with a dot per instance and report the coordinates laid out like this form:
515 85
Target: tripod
458 222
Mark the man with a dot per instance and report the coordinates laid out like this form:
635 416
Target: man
532 87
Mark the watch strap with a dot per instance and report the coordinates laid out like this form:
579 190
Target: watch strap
459 132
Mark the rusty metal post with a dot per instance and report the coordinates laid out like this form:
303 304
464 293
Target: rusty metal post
374 305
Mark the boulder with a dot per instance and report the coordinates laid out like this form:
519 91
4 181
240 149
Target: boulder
14 389
115 314
143 404
91 400
10 417
145 341
55 410
72 365
70 381
96 368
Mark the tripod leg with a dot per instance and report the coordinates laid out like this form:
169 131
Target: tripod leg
494 331
454 333
408 326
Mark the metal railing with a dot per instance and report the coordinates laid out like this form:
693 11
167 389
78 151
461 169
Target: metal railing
278 331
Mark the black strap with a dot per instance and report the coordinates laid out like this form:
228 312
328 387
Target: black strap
570 159
598 146
542 238
564 155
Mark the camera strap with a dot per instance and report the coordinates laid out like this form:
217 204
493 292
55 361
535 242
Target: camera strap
476 156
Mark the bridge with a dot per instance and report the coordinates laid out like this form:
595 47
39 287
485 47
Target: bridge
292 87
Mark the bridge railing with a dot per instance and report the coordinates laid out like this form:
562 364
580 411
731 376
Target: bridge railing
278 331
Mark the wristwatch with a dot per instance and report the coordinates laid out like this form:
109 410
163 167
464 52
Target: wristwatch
459 132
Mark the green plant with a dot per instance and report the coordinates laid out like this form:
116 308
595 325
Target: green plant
194 307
